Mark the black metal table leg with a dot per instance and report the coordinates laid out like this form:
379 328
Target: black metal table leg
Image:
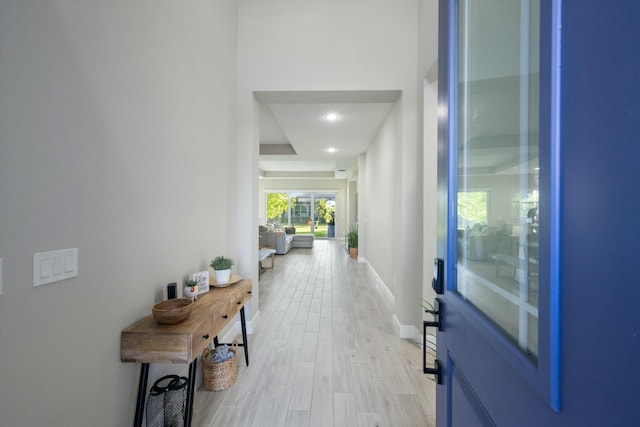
245 342
215 341
188 412
142 391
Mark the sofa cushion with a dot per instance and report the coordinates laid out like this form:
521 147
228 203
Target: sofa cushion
283 242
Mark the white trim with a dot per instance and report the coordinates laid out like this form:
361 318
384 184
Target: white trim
406 331
250 323
380 282
403 331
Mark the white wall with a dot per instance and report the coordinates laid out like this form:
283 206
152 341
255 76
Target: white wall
338 45
326 45
379 214
427 63
114 134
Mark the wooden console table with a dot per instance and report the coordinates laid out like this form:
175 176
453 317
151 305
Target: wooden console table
149 342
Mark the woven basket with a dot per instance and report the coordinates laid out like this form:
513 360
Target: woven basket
222 375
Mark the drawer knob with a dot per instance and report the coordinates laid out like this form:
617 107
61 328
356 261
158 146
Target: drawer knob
225 316
206 336
239 302
249 292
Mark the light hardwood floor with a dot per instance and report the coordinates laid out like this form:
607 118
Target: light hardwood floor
323 353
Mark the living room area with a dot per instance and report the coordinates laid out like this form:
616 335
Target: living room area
295 213
295 219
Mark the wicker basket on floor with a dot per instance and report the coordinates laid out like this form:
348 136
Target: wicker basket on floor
222 375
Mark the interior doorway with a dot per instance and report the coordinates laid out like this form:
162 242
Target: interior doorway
307 212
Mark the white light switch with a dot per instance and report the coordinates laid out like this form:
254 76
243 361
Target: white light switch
70 263
53 266
45 268
58 262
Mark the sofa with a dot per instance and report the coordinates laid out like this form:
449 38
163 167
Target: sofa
282 239
270 237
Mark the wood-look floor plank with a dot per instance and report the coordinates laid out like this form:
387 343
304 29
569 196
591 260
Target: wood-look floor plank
309 347
322 401
373 419
344 410
342 374
297 419
302 387
325 330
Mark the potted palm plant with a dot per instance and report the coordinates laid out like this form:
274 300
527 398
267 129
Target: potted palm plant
352 240
222 268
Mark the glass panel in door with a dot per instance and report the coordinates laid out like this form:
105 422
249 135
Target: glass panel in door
301 212
497 159
324 211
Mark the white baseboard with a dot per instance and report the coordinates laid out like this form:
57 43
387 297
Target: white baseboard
252 322
380 283
406 331
412 333
403 331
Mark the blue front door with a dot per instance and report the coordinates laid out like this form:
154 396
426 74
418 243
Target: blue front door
538 172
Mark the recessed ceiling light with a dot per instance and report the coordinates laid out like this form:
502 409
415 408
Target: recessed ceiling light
332 117
331 150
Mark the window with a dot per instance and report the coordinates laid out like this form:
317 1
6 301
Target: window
497 138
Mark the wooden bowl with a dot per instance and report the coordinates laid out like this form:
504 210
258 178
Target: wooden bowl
172 311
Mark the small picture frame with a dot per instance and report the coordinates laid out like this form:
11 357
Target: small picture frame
202 278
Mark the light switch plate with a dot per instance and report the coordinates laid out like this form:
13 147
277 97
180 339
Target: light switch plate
53 266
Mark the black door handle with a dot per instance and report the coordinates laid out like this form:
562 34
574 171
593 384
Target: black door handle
436 371
436 311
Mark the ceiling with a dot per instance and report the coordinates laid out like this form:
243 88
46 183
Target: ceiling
295 137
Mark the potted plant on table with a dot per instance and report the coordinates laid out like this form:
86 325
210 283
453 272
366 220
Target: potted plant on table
352 240
190 289
222 268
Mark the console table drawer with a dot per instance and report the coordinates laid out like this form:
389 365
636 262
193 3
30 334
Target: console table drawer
146 341
240 296
237 297
222 314
202 336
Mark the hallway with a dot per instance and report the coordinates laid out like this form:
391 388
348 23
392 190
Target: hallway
323 353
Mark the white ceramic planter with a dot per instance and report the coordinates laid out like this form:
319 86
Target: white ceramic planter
222 276
190 291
